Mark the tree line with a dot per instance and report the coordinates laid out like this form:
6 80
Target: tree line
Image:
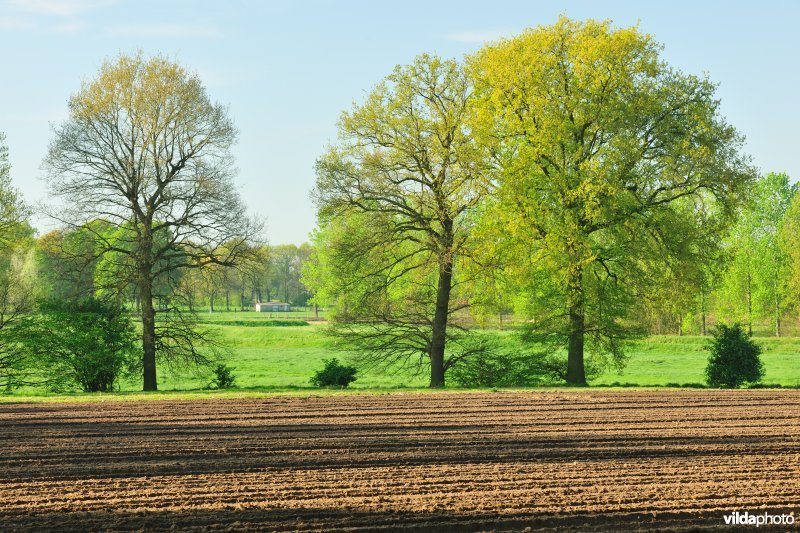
70 266
568 176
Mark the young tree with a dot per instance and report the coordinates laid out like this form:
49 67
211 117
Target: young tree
13 212
285 272
789 242
393 198
773 196
17 272
754 283
609 162
735 358
145 150
255 276
88 344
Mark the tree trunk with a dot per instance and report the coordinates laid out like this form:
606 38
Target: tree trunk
576 373
439 330
777 308
749 306
148 329
703 311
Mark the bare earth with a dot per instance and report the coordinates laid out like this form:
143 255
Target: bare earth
613 460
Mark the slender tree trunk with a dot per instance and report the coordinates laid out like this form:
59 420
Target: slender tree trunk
227 300
439 330
148 327
576 373
703 311
749 305
777 307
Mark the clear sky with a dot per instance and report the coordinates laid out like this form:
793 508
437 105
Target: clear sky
287 69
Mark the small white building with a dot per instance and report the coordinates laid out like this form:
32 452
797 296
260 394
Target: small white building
273 307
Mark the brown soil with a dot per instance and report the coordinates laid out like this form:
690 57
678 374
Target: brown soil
675 460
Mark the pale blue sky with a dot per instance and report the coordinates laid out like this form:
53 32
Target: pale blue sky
287 69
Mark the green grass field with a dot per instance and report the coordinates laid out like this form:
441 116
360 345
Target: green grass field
281 357
286 357
269 356
671 360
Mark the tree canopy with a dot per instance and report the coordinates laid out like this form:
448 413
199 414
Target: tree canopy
609 163
147 152
394 197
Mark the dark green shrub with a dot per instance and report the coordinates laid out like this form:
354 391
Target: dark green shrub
86 343
735 358
223 377
499 370
334 374
514 369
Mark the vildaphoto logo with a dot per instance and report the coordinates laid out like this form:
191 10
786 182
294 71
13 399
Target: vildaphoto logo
746 518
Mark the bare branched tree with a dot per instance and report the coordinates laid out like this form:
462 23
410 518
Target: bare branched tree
146 151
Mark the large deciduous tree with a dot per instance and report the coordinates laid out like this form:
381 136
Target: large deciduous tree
394 197
146 151
610 162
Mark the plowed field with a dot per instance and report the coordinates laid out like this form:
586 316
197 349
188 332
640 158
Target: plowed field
436 462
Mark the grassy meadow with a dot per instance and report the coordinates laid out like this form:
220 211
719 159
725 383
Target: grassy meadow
270 356
275 356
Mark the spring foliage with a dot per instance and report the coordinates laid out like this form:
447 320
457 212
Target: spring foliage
85 344
612 169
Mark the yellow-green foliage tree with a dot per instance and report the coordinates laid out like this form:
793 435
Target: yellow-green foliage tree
394 196
754 284
609 162
789 243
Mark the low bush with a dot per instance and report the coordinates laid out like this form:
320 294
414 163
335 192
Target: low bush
223 377
334 374
735 358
